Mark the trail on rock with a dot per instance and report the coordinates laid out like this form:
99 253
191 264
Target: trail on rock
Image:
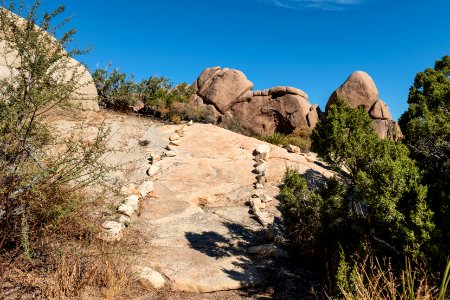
195 228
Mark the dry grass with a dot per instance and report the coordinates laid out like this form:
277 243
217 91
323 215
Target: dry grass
377 282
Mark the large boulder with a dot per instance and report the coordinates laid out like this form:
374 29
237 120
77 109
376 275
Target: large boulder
222 87
280 109
227 95
359 90
84 96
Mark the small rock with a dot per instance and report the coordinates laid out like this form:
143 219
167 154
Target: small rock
125 209
260 162
257 194
174 137
113 231
266 198
261 179
268 250
175 143
259 186
170 147
155 168
171 153
129 190
263 148
261 169
180 131
150 278
144 143
154 158
146 187
123 219
190 123
256 203
132 201
293 149
263 217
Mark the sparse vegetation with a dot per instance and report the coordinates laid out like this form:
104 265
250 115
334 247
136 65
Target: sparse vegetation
155 96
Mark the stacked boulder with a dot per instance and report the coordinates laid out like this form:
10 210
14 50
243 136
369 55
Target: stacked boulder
258 203
227 94
359 91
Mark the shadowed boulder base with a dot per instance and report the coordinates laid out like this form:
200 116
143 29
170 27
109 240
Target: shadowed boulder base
227 94
359 90
85 95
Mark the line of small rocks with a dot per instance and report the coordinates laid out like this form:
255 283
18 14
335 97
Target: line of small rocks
113 229
258 203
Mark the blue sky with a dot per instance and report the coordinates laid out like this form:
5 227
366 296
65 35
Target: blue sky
313 45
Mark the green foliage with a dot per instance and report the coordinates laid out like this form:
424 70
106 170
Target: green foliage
275 138
39 171
426 127
115 90
157 95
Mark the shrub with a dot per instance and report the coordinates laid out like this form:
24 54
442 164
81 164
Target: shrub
115 90
275 138
426 127
39 170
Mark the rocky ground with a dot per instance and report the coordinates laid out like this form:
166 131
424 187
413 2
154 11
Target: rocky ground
193 231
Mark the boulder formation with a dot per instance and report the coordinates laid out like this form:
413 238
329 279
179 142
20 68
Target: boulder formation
358 91
227 94
85 95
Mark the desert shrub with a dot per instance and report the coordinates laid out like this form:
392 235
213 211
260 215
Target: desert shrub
376 206
301 137
426 129
39 170
275 138
115 90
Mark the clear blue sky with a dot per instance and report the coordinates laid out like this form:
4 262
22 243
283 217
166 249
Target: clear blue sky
313 45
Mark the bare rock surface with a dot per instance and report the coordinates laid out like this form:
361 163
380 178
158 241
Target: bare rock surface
194 228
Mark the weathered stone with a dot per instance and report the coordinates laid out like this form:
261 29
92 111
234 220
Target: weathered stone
256 203
155 158
126 210
262 149
129 189
268 250
261 168
293 149
150 278
380 111
190 123
123 219
154 169
132 201
313 117
266 198
174 143
145 188
259 186
223 88
113 231
358 90
261 179
171 153
174 137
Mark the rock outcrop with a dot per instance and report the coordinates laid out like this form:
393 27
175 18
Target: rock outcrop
359 90
84 96
227 94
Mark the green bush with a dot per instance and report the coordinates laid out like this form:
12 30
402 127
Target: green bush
426 129
376 205
40 172
115 90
